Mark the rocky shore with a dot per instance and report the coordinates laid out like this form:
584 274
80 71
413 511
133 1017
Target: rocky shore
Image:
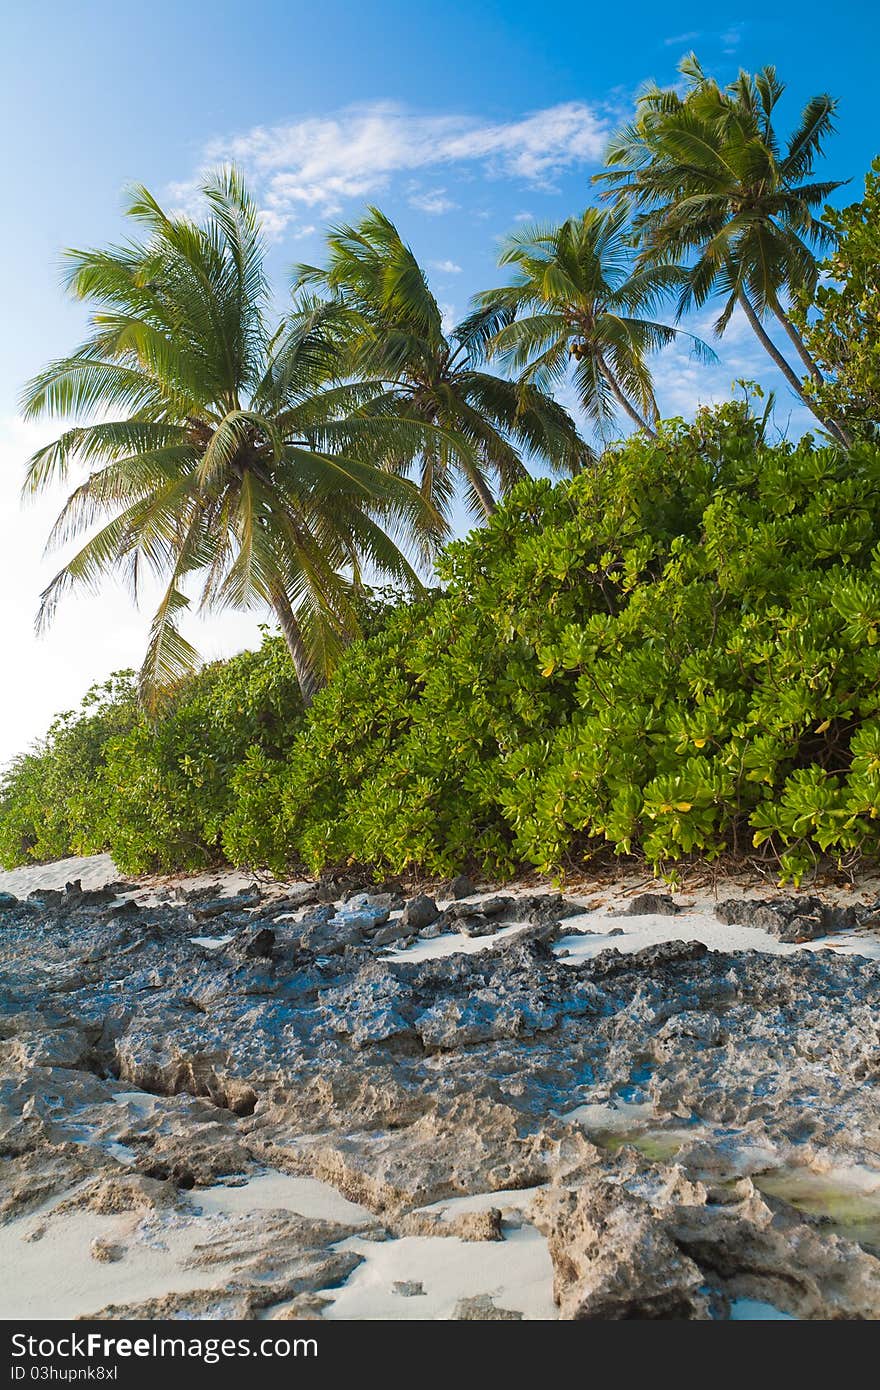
332 1101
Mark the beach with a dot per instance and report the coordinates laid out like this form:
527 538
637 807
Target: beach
224 1098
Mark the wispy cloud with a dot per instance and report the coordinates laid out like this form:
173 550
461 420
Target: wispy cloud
729 38
433 203
447 267
677 40
319 163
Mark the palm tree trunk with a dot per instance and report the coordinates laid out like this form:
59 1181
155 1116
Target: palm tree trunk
811 366
487 501
787 370
623 402
799 344
308 679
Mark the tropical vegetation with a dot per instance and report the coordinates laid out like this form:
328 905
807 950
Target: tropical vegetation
840 323
432 375
677 652
671 650
717 192
240 458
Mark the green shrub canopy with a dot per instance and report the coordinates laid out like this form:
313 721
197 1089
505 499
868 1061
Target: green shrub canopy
676 652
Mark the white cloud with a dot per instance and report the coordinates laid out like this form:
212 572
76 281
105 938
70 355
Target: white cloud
447 267
433 203
321 161
273 223
448 317
678 39
524 217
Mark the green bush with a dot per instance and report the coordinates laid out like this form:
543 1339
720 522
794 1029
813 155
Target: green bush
154 791
676 652
46 795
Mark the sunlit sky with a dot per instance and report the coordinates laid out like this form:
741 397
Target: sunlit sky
459 119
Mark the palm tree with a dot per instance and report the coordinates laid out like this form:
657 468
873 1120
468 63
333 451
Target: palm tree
575 295
715 189
238 460
433 375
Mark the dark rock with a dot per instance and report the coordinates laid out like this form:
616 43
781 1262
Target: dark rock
475 924
303 896
612 961
396 931
256 944
216 907
461 887
324 912
8 901
790 919
541 931
497 906
481 1308
204 893
655 904
367 919
419 912
540 908
72 898
455 910
326 931
129 908
379 903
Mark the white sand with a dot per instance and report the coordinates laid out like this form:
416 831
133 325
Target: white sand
93 870
47 1269
56 1276
700 925
450 944
276 1191
516 1272
96 870
41 1252
506 1200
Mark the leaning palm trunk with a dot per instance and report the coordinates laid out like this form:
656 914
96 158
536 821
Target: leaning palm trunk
308 679
836 426
800 346
623 401
483 492
787 370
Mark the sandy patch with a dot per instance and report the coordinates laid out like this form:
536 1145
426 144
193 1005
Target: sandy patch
93 871
47 1269
515 1272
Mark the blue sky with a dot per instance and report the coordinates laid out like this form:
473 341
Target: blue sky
458 119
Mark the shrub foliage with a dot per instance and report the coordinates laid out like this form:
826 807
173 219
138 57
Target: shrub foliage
677 652
154 790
